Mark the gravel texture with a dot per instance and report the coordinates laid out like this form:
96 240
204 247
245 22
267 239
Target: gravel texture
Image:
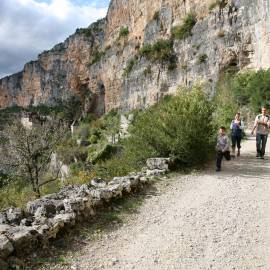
203 221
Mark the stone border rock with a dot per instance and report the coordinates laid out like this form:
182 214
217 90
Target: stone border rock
22 232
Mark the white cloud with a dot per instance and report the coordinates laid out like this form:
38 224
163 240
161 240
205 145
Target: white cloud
28 27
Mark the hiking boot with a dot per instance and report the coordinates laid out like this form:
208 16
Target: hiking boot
218 169
258 155
238 153
262 157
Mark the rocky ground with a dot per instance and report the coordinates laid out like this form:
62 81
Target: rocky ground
204 220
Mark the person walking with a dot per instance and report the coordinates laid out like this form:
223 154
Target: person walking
222 147
237 129
262 125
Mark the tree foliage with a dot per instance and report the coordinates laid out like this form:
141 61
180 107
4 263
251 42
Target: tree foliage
252 88
184 30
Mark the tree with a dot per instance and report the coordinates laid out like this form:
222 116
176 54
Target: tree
26 153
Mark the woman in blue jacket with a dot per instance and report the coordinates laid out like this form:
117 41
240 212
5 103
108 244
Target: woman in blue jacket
237 129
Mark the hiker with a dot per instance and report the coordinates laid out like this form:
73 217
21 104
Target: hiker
261 125
223 147
237 127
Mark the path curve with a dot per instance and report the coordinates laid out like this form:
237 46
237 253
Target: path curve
201 221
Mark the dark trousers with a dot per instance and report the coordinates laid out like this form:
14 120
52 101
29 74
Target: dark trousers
220 156
236 140
261 140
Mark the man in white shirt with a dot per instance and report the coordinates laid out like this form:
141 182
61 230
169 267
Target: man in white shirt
261 125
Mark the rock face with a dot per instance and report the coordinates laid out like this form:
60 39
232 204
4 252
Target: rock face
91 63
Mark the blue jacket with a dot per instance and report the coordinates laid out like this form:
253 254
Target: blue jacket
237 129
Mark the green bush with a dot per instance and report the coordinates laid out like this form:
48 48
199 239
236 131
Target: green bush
77 167
160 52
115 166
130 66
225 102
124 32
97 56
102 153
180 127
13 195
252 88
183 31
85 31
93 139
146 50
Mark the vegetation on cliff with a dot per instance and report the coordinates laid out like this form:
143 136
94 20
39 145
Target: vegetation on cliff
184 30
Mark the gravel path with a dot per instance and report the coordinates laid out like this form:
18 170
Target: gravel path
201 221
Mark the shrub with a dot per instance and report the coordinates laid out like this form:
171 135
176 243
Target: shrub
77 167
130 66
16 193
88 118
146 50
225 102
124 32
85 31
160 52
245 91
115 166
183 31
93 139
97 56
202 58
102 153
252 88
249 90
158 132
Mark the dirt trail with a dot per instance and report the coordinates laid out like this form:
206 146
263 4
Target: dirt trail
202 221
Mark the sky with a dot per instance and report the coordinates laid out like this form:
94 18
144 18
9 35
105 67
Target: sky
28 27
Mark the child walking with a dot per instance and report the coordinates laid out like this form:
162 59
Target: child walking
223 147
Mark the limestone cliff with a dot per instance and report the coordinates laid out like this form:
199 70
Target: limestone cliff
91 63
